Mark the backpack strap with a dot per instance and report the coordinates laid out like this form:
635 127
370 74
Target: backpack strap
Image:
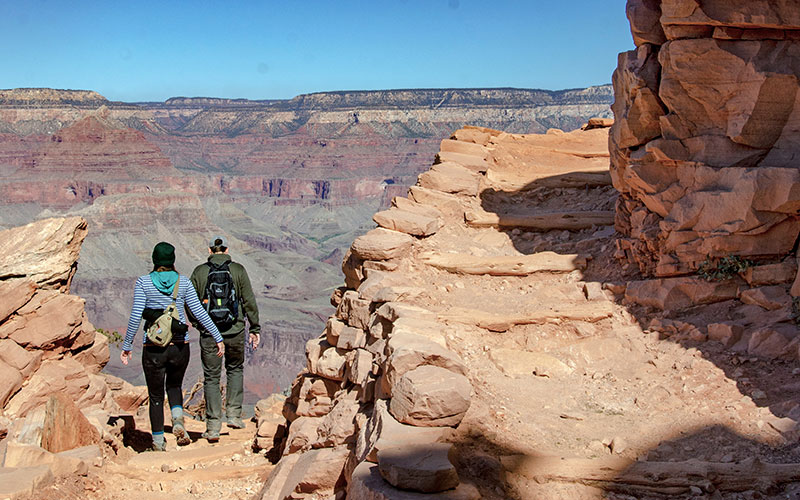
175 290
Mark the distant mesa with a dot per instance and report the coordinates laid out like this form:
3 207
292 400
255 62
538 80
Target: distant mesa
44 96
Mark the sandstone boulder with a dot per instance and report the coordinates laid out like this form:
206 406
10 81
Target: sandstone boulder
333 328
637 106
44 251
65 376
351 338
392 311
768 297
338 427
96 356
774 342
431 330
17 293
407 351
752 14
421 467
464 147
302 433
477 135
366 483
430 396
679 293
408 205
313 472
12 381
727 333
21 359
359 366
644 16
771 274
381 244
52 319
384 431
354 311
65 427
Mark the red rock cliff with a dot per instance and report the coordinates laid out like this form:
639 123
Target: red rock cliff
705 144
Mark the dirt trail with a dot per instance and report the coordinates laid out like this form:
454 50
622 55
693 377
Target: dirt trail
227 469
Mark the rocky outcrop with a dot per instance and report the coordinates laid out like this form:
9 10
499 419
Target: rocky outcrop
704 145
50 359
383 381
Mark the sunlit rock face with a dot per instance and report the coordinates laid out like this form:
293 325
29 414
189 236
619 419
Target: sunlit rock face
706 140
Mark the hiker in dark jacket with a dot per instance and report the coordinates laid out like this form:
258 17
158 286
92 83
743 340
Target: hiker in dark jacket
233 336
165 366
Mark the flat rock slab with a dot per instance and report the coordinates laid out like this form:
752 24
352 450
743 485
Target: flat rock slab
449 177
513 181
590 312
516 363
419 467
185 457
407 222
366 483
381 244
512 265
17 482
475 163
543 222
407 351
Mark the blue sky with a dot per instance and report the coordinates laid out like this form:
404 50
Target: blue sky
149 51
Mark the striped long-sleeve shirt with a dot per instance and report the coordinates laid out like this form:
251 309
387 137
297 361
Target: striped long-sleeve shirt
145 294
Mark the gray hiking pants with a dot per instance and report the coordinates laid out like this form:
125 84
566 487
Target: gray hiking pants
212 371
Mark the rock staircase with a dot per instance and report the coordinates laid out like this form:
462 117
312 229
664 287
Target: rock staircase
385 385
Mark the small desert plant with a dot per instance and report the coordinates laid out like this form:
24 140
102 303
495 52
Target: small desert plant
114 338
719 269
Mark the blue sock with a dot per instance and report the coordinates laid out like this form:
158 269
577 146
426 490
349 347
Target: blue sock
158 438
177 412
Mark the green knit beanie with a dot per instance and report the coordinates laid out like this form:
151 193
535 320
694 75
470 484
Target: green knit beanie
164 254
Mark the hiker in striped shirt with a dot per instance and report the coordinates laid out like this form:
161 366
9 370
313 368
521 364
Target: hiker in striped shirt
165 366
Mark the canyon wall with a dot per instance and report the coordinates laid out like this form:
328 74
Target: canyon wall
705 145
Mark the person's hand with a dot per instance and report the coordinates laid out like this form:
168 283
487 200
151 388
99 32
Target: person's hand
125 356
255 340
220 349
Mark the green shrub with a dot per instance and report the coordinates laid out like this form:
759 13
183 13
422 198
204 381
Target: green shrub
113 336
720 269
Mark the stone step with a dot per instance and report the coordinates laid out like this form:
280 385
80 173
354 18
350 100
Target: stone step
544 221
366 483
468 161
407 222
186 457
419 467
508 181
591 312
511 265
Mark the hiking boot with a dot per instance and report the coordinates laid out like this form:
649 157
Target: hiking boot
211 436
235 423
179 431
157 447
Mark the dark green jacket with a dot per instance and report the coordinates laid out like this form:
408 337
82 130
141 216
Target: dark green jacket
244 293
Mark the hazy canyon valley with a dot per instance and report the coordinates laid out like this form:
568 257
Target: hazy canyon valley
291 182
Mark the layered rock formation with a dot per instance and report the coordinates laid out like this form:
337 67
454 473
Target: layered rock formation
705 143
54 403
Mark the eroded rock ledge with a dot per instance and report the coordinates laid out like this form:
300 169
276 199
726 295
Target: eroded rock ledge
705 144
